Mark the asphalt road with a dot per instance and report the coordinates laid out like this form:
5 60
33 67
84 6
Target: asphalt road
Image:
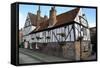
27 59
30 56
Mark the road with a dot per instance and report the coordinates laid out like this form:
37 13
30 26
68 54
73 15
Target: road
30 56
27 59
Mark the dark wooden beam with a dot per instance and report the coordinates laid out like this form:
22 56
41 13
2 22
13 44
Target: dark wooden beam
74 32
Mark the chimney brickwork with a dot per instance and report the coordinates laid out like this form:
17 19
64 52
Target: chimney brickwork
52 18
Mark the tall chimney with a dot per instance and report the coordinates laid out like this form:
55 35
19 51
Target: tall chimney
45 18
52 18
38 15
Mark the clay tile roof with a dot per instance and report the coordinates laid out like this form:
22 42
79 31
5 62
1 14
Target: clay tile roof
33 18
42 25
63 18
67 17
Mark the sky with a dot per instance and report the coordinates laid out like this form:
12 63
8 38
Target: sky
24 9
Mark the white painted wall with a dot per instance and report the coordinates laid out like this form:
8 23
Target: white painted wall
79 14
85 37
28 27
51 33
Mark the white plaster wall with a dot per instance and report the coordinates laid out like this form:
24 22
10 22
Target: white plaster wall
85 37
79 14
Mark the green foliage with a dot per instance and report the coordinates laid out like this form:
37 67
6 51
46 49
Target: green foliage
21 45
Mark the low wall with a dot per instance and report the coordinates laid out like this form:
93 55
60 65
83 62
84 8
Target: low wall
68 50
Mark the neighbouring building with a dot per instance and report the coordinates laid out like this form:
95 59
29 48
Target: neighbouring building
65 35
20 36
93 35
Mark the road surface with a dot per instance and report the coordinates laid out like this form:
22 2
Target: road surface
30 56
27 59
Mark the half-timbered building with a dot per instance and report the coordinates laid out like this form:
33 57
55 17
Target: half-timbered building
65 35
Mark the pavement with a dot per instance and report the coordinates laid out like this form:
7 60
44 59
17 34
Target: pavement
30 56
91 57
27 59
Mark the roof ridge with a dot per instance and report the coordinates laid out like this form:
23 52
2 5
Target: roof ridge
63 18
68 11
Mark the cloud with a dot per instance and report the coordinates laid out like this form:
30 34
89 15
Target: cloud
22 19
92 24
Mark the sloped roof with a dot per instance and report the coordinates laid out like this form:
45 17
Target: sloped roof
67 17
64 18
33 19
42 25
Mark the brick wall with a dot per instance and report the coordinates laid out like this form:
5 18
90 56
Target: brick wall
68 50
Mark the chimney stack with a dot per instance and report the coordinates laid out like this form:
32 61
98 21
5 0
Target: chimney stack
38 15
52 17
45 18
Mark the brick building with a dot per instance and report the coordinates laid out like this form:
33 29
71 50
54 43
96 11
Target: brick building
93 35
